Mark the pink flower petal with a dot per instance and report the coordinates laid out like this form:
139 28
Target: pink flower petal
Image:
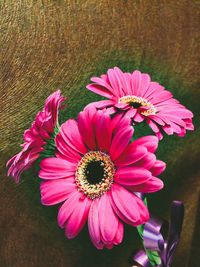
147 161
150 142
55 175
182 113
105 231
102 82
123 106
168 129
131 155
76 201
71 135
119 234
108 224
176 128
65 151
115 82
86 127
103 131
131 113
128 206
160 97
67 208
131 175
158 168
56 168
157 119
53 103
56 164
124 81
153 87
153 126
100 90
56 191
144 84
175 119
159 136
109 111
120 141
127 84
189 124
152 185
100 104
182 133
93 224
138 117
78 217
136 82
119 122
164 118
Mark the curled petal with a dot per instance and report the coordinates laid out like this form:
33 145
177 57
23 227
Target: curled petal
78 218
158 168
128 206
151 185
150 142
75 204
105 231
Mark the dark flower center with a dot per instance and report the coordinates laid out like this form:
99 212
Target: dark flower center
94 172
135 104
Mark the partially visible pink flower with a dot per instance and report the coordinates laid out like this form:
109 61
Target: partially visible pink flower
96 172
35 137
142 99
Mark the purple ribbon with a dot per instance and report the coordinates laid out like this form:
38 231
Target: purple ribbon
154 237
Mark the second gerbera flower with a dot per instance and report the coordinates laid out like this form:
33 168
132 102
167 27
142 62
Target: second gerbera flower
141 99
36 136
96 172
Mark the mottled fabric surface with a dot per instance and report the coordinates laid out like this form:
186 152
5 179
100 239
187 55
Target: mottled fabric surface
47 45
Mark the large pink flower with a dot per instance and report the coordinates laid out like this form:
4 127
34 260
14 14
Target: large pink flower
142 99
35 137
96 172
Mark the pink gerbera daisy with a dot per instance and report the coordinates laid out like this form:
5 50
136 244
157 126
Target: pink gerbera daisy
96 172
35 138
142 99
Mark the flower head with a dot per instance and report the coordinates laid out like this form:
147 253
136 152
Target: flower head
35 137
95 173
142 99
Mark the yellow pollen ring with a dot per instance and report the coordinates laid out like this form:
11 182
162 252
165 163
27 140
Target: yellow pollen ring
94 190
143 102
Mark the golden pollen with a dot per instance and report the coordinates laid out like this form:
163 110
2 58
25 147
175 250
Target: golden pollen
137 102
94 174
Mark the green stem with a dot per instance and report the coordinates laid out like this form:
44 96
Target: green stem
49 148
153 256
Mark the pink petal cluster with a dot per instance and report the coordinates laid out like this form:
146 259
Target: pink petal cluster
157 106
35 137
136 168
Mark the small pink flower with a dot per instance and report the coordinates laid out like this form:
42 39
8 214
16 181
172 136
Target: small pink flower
96 172
142 99
35 137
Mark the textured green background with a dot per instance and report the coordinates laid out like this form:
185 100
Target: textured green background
47 45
